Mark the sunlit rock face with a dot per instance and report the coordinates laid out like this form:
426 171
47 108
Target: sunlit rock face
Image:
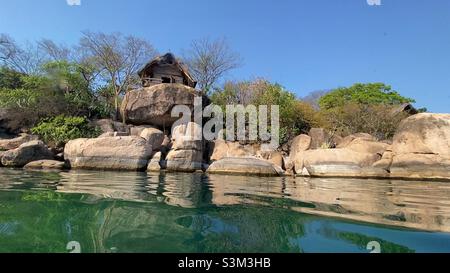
26 153
244 166
108 153
422 147
153 105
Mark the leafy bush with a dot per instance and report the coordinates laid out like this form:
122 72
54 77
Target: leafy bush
10 79
295 116
380 120
18 98
59 130
368 94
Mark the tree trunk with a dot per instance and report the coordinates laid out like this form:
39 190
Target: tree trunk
116 106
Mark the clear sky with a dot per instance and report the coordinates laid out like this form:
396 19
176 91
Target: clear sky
303 45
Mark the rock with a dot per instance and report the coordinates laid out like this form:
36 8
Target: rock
223 149
420 166
166 145
274 157
244 166
154 137
187 137
184 160
26 153
45 165
367 146
349 139
121 128
338 170
113 134
320 138
336 162
153 105
137 130
14 143
107 134
300 144
109 153
421 147
156 164
121 134
425 134
104 125
385 162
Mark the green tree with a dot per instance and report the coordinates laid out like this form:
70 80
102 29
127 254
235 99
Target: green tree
368 94
295 116
10 79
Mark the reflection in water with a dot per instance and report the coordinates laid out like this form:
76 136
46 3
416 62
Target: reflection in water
139 212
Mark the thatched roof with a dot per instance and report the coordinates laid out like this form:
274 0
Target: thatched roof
168 59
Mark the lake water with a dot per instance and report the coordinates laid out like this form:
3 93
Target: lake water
139 212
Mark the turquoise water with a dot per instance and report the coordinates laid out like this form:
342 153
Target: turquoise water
139 212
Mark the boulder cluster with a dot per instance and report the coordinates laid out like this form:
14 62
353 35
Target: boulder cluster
419 150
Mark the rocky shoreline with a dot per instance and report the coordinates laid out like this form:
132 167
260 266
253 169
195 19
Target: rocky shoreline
420 149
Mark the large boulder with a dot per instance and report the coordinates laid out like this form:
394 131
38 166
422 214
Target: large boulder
321 138
274 157
423 134
104 125
223 149
184 161
187 149
244 166
154 137
300 144
13 143
349 139
26 153
368 146
420 166
45 165
338 162
109 153
153 105
421 147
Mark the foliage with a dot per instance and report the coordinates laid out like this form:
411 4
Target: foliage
118 58
295 116
380 121
368 94
18 98
59 130
368 108
10 79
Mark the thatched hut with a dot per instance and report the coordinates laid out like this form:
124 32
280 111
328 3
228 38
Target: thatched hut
165 69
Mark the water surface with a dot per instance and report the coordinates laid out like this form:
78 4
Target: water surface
139 212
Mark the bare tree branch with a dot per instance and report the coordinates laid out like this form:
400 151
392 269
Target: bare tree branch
118 57
209 61
26 59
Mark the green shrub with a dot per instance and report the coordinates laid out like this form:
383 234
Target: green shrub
18 98
59 130
365 94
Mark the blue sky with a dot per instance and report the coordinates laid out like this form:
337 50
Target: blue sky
303 45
